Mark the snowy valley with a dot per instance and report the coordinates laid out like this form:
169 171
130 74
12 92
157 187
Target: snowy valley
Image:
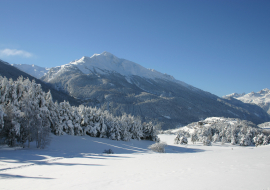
78 162
46 144
90 148
134 94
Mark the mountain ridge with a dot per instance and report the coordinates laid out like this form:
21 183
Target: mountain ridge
261 98
34 70
122 86
107 63
9 71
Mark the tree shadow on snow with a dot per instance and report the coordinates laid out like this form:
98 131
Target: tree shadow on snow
10 176
138 147
177 149
65 147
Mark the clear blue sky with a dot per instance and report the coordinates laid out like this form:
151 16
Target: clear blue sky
220 46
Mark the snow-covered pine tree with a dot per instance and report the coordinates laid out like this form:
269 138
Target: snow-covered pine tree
77 119
5 91
206 141
136 128
52 111
233 140
103 128
124 129
266 140
56 119
216 138
11 130
1 117
149 132
245 139
114 130
37 115
194 137
94 130
65 113
84 114
260 139
223 140
181 138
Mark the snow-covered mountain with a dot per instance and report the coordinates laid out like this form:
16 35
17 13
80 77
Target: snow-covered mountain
9 71
235 95
261 98
34 70
107 63
122 86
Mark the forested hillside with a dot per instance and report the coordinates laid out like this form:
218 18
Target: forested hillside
224 130
29 114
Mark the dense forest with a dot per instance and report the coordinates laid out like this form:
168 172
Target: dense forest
27 114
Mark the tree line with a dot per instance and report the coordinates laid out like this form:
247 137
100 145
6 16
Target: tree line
29 114
241 132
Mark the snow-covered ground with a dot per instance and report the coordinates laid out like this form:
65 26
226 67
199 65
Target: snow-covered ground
78 162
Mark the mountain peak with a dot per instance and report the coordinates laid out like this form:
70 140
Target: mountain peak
264 91
105 53
106 63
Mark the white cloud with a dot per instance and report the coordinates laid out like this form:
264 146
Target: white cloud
15 52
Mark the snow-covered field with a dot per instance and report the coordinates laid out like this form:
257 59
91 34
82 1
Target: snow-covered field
78 162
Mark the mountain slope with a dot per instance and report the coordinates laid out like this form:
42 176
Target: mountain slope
107 63
9 71
261 98
122 86
34 70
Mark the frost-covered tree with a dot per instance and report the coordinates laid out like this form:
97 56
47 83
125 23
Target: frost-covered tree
234 131
233 140
223 140
216 138
181 138
2 113
206 141
194 137
245 140
11 129
266 140
261 139
150 132
29 114
35 115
